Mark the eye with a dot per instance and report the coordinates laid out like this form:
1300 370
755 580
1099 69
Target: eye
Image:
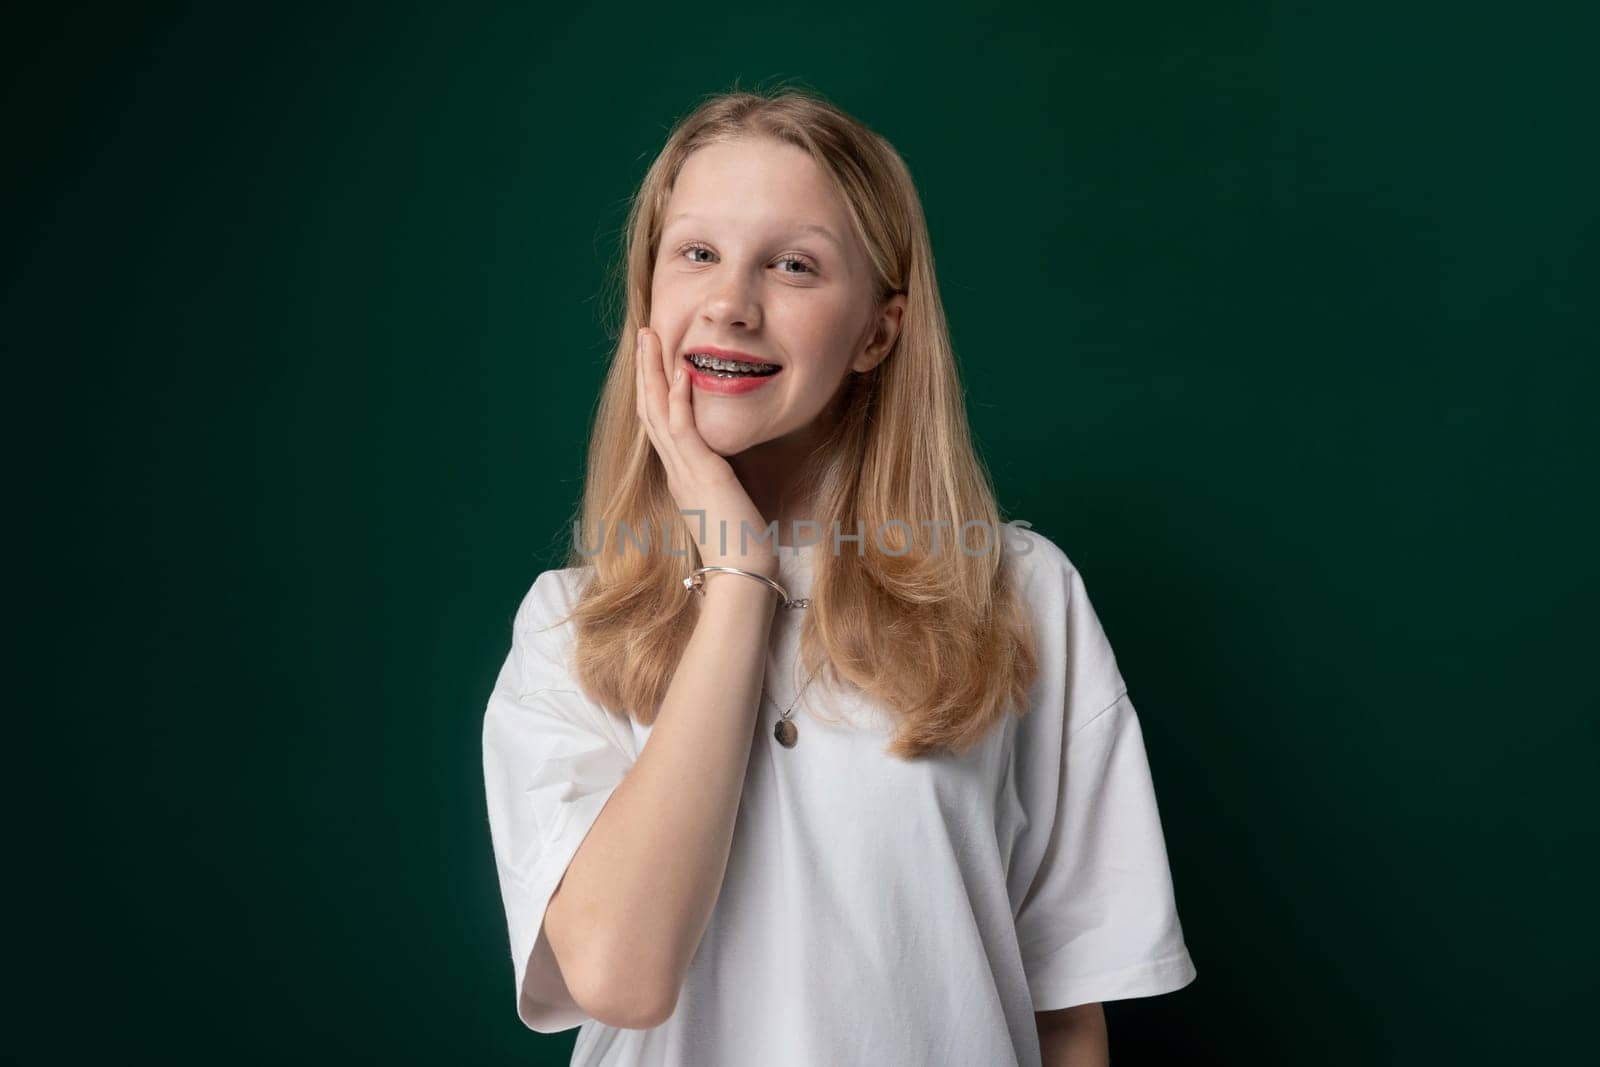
797 259
804 263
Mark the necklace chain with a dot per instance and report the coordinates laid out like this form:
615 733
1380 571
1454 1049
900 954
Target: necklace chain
785 713
789 711
785 730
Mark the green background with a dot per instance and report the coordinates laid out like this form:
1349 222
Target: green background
1279 318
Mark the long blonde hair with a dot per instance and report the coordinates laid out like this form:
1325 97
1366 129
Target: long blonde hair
940 639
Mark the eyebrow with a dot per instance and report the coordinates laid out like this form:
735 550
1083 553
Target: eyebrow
800 227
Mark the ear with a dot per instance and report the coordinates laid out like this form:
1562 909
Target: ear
886 329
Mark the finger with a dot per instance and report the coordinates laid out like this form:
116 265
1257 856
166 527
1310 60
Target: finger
680 415
649 376
641 391
669 363
641 394
638 374
656 400
679 408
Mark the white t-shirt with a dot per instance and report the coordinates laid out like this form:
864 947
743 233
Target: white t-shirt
874 910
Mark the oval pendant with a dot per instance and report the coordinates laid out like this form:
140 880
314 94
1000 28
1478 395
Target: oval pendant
786 732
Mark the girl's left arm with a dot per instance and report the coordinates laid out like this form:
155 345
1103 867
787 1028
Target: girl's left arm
1073 1037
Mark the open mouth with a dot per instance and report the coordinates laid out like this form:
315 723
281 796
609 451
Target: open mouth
730 368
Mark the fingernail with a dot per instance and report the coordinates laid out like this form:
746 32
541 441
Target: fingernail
678 377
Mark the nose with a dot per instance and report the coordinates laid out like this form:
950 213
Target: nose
733 304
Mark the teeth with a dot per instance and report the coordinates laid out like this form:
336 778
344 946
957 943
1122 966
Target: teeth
713 363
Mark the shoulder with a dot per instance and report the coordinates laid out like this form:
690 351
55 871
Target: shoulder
544 637
1080 669
1023 541
538 709
551 598
1042 568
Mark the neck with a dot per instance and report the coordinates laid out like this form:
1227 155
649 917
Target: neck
770 472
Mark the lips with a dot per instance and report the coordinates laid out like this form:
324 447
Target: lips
732 385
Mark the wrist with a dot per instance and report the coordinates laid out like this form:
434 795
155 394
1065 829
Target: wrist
762 563
739 589
745 574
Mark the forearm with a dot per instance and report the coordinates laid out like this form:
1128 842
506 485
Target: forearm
639 892
1074 1037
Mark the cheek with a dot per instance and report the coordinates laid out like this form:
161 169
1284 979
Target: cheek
825 334
837 345
665 297
667 313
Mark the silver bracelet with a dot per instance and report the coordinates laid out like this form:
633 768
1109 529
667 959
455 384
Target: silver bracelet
696 583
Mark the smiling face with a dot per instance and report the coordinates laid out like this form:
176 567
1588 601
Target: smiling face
757 256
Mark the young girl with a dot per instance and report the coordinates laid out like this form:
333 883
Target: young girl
867 787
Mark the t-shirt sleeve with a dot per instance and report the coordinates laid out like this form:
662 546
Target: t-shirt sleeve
1089 881
551 759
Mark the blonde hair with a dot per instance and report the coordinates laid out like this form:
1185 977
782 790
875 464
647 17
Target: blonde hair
942 639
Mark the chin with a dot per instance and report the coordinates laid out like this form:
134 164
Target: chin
728 441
